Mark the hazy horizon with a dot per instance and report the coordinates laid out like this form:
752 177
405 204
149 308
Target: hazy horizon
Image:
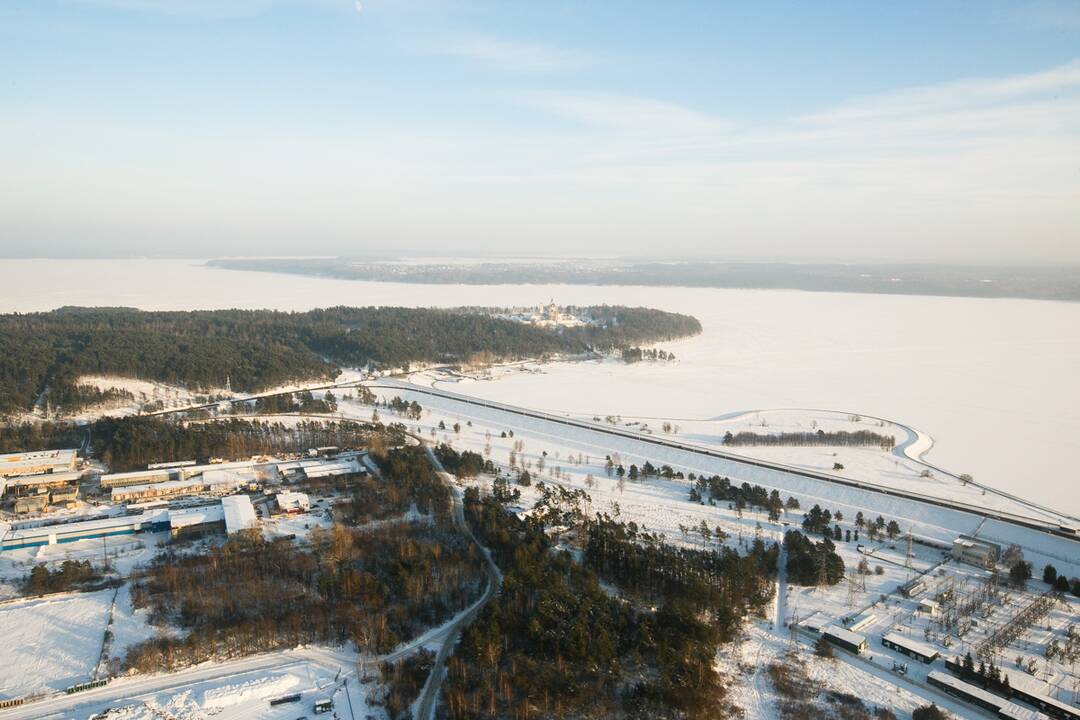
494 257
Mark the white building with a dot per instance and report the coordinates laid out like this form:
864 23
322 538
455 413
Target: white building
239 513
974 551
37 462
293 502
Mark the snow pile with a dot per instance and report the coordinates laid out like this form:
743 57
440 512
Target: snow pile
178 707
251 690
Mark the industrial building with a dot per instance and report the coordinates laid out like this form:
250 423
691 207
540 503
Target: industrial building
912 648
929 607
850 641
1028 689
212 482
983 698
138 477
66 496
21 484
974 551
239 513
37 462
815 622
247 469
197 521
297 470
293 502
35 535
232 514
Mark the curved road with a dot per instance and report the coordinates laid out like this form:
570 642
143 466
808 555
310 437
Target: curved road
425 704
1029 523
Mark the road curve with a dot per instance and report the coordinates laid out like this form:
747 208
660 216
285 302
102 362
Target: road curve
1029 523
430 692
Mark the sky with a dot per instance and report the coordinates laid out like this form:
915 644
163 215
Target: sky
843 131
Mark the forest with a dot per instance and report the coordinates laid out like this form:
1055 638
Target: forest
407 479
130 443
555 644
463 464
251 350
374 588
371 586
19 436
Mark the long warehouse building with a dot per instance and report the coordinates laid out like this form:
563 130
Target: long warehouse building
37 462
232 514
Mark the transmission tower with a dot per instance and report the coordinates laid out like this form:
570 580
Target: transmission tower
823 570
793 628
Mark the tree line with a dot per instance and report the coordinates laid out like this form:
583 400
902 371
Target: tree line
70 575
252 350
133 442
637 354
841 438
739 497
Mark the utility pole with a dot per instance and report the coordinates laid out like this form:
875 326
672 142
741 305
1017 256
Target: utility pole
345 687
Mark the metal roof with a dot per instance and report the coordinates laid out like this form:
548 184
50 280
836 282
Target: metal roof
914 645
239 513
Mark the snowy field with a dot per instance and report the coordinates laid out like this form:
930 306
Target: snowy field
662 505
991 381
56 641
236 690
53 642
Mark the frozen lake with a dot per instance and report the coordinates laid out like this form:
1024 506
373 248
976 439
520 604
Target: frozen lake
994 382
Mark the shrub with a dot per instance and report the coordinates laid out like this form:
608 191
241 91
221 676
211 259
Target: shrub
823 648
928 712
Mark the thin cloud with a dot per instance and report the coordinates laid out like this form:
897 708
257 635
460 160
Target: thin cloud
960 94
509 55
626 114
